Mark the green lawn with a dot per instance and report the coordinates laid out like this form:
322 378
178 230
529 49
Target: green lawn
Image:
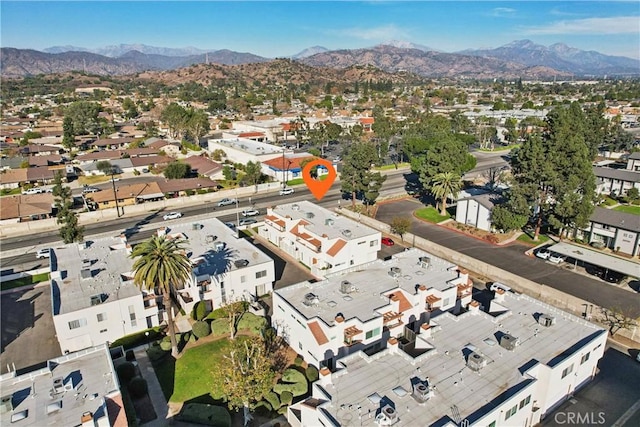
392 166
10 192
635 210
298 181
431 214
96 179
29 280
525 238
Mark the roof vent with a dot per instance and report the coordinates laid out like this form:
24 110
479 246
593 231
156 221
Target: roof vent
85 273
346 233
309 215
295 207
346 287
546 320
219 246
329 221
311 299
424 261
395 272
509 342
211 238
241 263
421 392
86 263
475 362
387 416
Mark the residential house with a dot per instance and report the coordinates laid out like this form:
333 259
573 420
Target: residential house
129 194
76 389
110 143
320 239
367 123
93 297
289 167
39 150
182 187
619 231
119 166
45 160
474 208
23 207
204 166
616 181
633 161
170 148
140 163
510 366
39 175
360 308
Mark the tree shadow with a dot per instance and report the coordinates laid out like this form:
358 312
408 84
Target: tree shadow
132 231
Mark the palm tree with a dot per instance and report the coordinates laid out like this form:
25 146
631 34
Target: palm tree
162 264
445 184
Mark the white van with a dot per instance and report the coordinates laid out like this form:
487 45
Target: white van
497 285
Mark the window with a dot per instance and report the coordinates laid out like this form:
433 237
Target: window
511 412
75 324
103 331
102 317
584 358
362 243
132 316
244 278
300 345
261 274
527 400
567 371
445 302
492 424
372 243
372 333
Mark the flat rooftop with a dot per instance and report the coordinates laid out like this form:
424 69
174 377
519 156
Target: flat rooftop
371 282
613 263
444 366
249 146
324 222
62 392
110 267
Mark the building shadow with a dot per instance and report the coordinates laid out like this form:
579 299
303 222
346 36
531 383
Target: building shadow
17 316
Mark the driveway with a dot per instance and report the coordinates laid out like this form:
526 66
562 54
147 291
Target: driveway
28 335
512 258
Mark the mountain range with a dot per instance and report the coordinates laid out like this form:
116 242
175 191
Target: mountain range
521 58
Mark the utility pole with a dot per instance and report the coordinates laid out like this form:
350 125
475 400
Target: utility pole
115 195
284 179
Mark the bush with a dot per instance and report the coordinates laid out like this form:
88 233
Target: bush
136 172
296 389
201 413
220 326
273 400
130 356
251 322
291 375
311 373
199 310
286 397
298 361
165 344
126 371
137 387
218 313
201 329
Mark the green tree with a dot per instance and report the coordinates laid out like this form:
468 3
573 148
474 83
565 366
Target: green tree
130 109
373 183
84 116
68 135
70 231
229 173
510 124
161 265
253 173
444 185
356 170
197 124
400 226
177 170
246 372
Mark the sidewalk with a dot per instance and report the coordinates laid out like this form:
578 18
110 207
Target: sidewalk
160 405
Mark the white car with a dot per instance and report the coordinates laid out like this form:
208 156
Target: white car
172 215
497 285
43 253
226 201
286 191
543 253
33 191
250 212
556 259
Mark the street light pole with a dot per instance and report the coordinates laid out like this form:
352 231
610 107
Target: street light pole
237 211
113 183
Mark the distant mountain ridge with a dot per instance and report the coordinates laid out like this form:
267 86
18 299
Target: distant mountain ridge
309 52
560 57
116 51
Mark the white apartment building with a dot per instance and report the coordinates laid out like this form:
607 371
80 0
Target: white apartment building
226 268
509 366
77 389
243 150
320 239
362 308
94 299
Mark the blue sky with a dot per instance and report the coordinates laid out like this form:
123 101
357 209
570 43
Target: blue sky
273 29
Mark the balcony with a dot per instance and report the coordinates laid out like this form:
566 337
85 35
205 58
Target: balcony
350 333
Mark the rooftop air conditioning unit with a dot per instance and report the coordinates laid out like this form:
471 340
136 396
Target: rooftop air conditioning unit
509 342
546 320
329 221
311 299
346 233
310 215
210 238
387 416
421 392
219 246
475 362
424 261
395 272
346 287
295 207
58 386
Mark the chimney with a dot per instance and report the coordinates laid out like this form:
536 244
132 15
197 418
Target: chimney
463 274
392 345
474 307
87 419
425 330
499 295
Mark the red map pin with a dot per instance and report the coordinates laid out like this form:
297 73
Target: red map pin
319 188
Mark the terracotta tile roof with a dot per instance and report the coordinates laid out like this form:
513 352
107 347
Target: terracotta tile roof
251 134
318 333
366 120
404 302
289 163
337 246
432 299
115 410
275 220
352 331
390 315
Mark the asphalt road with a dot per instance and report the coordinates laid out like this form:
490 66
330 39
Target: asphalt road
486 160
512 258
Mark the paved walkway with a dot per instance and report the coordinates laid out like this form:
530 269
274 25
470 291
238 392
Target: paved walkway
155 391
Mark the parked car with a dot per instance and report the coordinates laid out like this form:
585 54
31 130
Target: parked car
247 221
226 201
556 258
231 225
543 253
387 241
172 215
250 212
497 285
33 191
286 191
43 253
90 190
